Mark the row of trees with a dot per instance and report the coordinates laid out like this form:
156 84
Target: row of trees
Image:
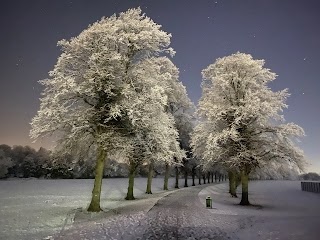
115 93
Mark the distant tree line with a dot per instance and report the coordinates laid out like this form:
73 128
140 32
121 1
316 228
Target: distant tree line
26 162
312 176
23 161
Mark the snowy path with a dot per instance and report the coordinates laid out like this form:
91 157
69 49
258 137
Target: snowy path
179 215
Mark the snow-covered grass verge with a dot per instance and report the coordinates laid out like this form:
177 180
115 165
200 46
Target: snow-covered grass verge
280 198
281 210
34 208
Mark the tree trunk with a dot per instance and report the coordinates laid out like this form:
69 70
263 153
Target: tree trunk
150 176
230 175
132 173
204 178
193 176
208 176
199 177
245 186
177 178
215 176
219 177
166 177
238 179
96 192
185 177
232 183
212 176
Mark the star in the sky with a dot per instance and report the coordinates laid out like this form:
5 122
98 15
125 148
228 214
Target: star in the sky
17 64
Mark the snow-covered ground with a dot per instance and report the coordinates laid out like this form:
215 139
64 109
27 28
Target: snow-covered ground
269 198
36 208
280 210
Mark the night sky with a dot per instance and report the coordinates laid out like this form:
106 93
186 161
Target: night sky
285 33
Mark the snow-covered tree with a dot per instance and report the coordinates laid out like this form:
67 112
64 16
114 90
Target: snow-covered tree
242 125
157 142
156 139
275 170
164 73
178 105
97 98
183 112
193 166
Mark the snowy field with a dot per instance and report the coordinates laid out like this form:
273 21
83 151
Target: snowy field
280 210
37 209
34 208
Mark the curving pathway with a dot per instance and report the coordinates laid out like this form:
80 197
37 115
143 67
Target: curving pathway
178 215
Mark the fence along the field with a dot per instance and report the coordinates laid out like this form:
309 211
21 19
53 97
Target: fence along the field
310 186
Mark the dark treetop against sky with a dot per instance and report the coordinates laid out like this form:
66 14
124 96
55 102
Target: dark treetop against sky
285 33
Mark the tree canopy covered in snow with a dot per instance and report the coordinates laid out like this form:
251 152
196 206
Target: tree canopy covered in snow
106 87
242 125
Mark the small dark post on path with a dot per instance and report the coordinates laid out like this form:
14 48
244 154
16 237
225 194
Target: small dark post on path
209 202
